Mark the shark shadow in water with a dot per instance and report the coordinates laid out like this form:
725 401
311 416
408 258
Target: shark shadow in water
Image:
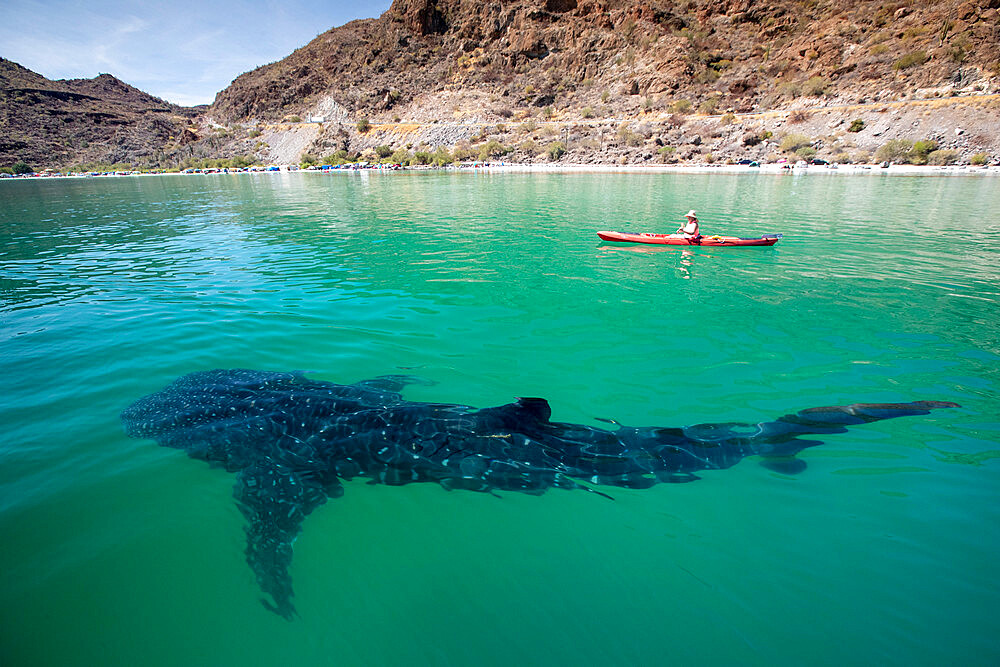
291 440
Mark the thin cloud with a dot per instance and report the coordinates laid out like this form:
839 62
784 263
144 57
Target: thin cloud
184 51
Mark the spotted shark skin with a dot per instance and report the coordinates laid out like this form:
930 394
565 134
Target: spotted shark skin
291 440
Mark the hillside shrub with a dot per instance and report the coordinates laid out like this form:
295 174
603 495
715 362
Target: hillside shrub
798 116
856 125
528 146
957 52
921 150
806 152
728 119
894 150
363 125
21 167
556 150
463 151
979 159
492 149
788 89
680 106
861 157
442 157
340 157
627 136
709 106
588 112
815 86
707 76
754 138
911 59
400 156
942 157
793 142
383 151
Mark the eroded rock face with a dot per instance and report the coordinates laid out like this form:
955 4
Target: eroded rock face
45 122
430 61
743 53
422 17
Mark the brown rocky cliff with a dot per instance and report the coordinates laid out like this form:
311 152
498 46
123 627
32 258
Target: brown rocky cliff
53 123
476 62
566 53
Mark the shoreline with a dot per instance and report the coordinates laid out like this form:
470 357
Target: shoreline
523 167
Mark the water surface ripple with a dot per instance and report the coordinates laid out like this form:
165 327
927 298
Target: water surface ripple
494 286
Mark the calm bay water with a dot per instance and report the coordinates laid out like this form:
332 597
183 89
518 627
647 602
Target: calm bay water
116 551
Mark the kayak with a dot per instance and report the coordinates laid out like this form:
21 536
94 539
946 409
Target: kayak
669 239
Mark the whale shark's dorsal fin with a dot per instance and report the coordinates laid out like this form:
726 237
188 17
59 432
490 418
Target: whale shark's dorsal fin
538 408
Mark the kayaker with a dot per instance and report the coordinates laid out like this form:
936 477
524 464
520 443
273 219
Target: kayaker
689 230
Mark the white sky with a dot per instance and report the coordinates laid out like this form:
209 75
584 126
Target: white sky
180 50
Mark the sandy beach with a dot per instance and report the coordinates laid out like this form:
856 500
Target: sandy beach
508 167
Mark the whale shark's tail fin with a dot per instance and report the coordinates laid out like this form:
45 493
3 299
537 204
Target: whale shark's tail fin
836 418
778 441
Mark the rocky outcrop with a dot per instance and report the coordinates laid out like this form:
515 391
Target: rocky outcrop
611 55
476 66
422 17
55 123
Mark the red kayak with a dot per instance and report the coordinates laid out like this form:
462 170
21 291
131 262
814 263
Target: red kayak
669 239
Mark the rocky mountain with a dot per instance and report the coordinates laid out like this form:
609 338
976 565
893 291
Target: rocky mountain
610 81
434 59
53 123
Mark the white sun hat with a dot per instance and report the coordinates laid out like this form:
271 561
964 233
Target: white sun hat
690 214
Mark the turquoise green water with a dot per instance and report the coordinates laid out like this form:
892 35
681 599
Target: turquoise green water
119 552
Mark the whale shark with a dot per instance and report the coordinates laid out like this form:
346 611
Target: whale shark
293 440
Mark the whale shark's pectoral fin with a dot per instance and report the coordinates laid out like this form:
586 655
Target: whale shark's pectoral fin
275 498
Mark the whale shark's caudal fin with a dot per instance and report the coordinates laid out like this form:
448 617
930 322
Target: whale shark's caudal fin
275 499
780 440
836 418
